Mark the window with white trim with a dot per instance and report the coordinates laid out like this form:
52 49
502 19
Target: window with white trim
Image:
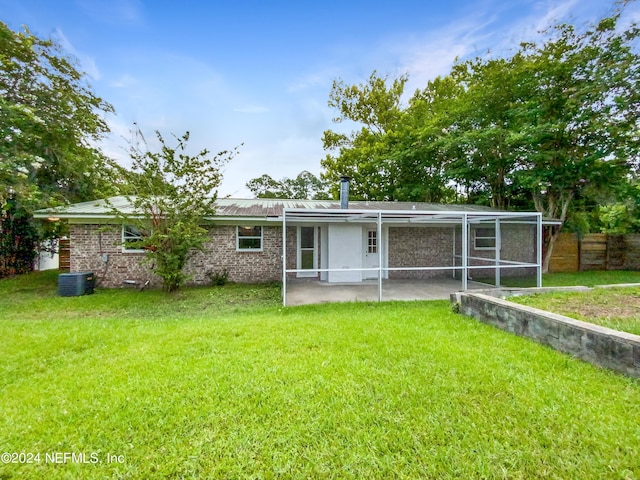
485 238
132 237
372 241
248 238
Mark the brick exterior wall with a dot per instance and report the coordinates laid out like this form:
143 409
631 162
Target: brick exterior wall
90 242
220 254
433 247
408 247
420 247
518 245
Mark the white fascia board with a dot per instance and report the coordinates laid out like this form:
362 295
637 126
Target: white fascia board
415 213
410 216
104 218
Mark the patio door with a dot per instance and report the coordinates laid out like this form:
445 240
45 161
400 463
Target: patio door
371 255
307 251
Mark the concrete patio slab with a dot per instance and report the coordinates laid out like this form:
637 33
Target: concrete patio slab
303 292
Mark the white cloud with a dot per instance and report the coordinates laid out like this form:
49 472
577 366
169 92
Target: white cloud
113 11
251 109
553 13
487 31
124 81
87 63
281 157
319 78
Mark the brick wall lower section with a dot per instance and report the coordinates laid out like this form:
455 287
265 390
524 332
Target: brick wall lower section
244 267
420 247
90 242
433 247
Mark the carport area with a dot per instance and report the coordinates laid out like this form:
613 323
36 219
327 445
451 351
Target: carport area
305 291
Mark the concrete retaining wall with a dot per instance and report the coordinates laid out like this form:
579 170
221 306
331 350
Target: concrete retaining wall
598 345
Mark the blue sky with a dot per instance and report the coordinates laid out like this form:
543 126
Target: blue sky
259 72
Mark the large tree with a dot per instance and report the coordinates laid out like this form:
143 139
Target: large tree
570 126
173 194
304 186
50 121
374 108
555 121
17 239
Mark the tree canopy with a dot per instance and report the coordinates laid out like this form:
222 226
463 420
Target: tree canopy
304 186
555 121
364 154
50 119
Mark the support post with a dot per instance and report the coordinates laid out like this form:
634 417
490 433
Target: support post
379 240
465 250
498 250
454 253
284 257
539 251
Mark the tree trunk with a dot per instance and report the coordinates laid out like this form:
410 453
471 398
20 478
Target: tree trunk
564 201
548 252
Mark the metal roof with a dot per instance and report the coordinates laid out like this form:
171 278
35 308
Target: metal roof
253 208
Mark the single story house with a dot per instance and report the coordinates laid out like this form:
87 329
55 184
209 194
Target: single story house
265 240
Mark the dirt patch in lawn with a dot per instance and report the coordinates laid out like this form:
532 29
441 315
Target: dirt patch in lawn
617 305
617 308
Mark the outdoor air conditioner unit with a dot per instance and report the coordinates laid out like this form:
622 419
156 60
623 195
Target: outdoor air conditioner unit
75 284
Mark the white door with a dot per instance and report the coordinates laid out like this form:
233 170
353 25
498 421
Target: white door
307 251
371 254
345 253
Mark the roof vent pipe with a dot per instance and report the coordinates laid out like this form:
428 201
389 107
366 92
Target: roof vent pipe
344 191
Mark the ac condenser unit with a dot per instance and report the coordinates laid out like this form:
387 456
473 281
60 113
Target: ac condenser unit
75 284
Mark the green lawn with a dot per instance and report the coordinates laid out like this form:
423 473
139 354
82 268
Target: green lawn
225 383
587 279
590 278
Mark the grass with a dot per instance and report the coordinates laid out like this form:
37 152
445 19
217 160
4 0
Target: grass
587 279
590 278
224 383
617 308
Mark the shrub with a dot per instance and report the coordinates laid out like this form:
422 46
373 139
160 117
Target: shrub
218 279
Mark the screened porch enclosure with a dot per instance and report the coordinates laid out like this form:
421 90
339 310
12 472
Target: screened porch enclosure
340 247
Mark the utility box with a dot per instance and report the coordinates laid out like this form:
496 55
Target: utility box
75 284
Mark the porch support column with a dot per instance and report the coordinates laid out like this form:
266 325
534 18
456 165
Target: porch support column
284 257
465 250
454 253
539 250
498 250
379 240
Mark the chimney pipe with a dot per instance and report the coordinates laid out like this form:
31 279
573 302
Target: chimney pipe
344 191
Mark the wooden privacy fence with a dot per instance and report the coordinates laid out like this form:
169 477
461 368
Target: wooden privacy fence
595 251
64 252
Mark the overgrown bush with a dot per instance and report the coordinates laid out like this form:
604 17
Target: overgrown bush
18 239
